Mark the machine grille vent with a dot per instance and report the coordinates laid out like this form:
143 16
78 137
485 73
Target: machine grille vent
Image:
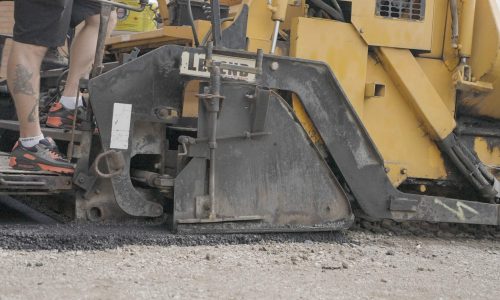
401 9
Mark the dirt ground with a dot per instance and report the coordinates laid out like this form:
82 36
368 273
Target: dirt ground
361 265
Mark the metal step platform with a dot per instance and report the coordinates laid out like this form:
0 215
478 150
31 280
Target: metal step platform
57 134
17 182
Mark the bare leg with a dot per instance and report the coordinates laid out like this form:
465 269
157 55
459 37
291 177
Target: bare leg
23 76
83 52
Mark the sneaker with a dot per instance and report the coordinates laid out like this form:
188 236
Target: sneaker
52 144
54 60
41 157
61 117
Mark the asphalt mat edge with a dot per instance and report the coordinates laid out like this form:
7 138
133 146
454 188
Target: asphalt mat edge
71 237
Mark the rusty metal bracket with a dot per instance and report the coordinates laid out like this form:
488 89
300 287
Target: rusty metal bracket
116 164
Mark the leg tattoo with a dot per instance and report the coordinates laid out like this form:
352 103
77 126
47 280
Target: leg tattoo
22 83
32 116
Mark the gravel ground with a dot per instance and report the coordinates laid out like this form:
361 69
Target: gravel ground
352 265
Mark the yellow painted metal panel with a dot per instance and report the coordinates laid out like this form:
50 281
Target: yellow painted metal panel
340 46
398 133
485 60
441 79
441 8
419 91
391 121
256 44
260 23
486 37
190 105
391 32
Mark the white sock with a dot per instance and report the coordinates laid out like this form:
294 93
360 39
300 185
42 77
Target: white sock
70 102
31 141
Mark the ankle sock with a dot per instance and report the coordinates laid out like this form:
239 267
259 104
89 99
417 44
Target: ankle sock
70 102
31 141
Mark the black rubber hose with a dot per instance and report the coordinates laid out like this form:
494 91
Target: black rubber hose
461 167
487 174
329 10
337 7
191 20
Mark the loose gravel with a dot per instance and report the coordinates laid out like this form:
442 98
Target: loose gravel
47 263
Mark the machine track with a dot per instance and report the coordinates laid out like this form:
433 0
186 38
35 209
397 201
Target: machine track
29 235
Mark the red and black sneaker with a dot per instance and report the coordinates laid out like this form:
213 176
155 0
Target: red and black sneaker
41 157
62 118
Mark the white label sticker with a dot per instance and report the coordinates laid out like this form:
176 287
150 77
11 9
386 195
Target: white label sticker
194 64
120 130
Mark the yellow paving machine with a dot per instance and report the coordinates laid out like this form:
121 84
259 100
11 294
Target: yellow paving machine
287 115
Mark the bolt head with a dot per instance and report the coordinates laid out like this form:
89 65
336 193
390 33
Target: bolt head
275 66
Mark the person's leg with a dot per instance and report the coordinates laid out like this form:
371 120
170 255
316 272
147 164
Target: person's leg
83 51
82 56
35 30
23 79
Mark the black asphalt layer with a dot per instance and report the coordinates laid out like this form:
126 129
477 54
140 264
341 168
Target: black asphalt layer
66 237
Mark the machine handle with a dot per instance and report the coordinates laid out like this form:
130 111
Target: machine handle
121 5
117 164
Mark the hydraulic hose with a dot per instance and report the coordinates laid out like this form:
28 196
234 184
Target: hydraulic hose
336 15
337 7
191 21
471 168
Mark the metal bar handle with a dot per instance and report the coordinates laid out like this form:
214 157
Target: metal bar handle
121 5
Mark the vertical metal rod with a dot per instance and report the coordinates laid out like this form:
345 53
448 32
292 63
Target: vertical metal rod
73 127
260 60
216 24
275 36
101 40
211 185
213 109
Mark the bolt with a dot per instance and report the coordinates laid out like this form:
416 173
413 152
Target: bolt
162 113
275 66
81 180
404 171
97 191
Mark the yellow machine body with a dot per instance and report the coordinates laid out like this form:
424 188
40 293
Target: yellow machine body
402 74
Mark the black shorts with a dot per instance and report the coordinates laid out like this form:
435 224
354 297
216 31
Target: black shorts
46 22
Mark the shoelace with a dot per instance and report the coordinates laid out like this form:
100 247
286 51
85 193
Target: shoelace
55 154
